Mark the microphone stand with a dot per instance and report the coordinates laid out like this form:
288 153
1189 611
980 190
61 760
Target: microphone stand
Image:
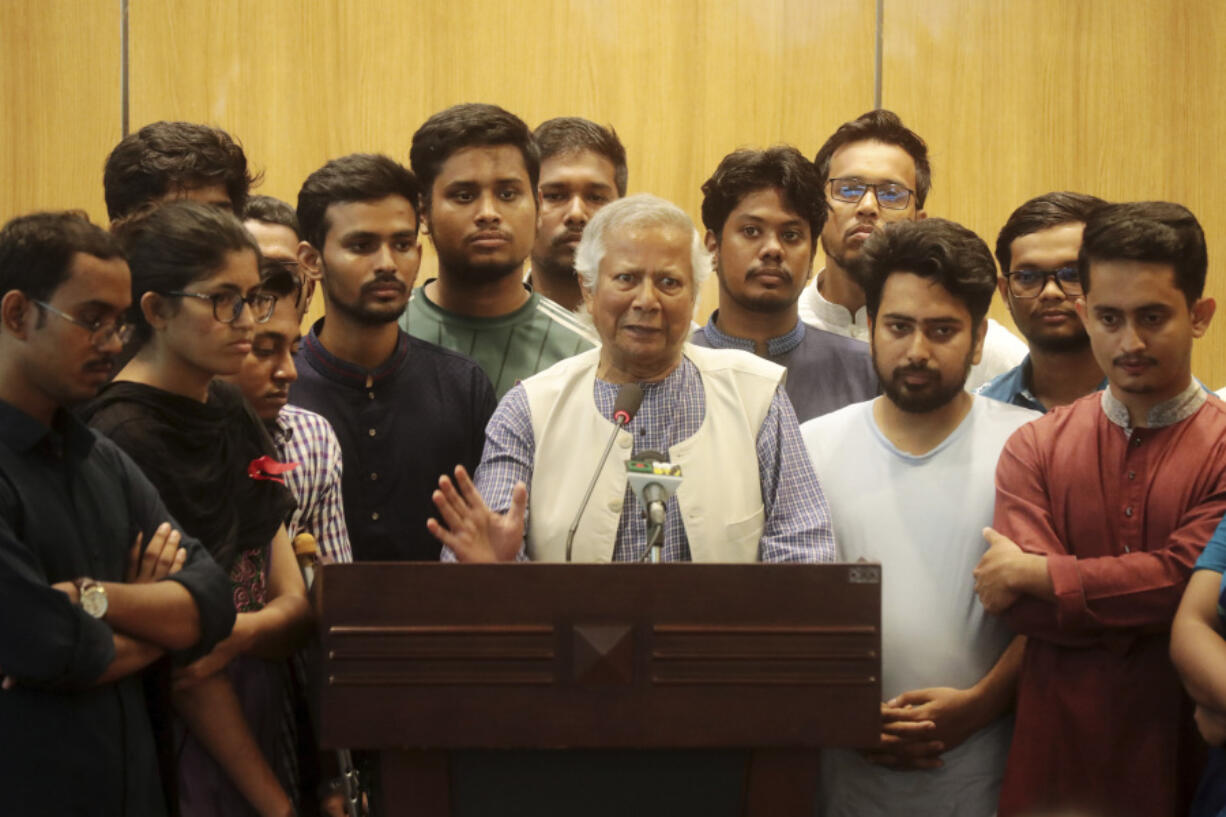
591 486
629 397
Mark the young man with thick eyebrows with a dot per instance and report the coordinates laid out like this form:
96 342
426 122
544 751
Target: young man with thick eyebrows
85 610
583 168
875 170
1102 508
301 436
479 167
404 410
911 487
1037 249
763 212
176 160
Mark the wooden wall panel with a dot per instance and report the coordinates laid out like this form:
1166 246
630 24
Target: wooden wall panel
59 103
683 81
1120 98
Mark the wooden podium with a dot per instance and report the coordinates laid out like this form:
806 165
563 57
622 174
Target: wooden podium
419 659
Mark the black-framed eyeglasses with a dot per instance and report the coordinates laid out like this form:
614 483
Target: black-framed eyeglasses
100 332
1030 283
228 305
890 195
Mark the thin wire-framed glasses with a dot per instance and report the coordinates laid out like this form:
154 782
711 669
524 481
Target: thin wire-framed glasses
890 195
228 305
100 332
1030 283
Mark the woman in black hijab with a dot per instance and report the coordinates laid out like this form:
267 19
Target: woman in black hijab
196 300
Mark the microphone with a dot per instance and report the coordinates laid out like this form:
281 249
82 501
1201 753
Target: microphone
629 398
653 481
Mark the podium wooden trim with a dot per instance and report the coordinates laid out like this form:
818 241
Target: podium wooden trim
422 658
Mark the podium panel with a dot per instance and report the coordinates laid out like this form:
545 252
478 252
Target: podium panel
418 658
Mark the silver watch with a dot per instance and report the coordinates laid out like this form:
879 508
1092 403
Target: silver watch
93 597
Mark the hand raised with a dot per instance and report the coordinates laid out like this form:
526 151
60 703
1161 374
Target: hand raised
473 531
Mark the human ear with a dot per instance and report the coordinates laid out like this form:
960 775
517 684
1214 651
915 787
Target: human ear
13 312
308 259
1202 314
151 307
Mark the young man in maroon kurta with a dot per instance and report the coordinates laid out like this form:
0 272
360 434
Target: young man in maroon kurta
1102 507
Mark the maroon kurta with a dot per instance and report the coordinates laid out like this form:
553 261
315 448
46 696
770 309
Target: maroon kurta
1102 720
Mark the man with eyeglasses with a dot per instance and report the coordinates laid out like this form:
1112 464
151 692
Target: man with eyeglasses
875 170
85 607
1037 250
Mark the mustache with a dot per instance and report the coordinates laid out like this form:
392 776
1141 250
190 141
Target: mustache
380 283
564 238
484 234
769 270
903 371
1129 360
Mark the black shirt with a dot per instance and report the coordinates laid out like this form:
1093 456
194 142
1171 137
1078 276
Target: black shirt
71 504
401 425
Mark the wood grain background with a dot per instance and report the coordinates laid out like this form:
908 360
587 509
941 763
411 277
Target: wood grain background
1015 97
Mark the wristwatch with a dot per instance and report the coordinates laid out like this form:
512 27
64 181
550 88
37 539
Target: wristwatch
93 597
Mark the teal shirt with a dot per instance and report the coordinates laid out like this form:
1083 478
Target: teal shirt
508 348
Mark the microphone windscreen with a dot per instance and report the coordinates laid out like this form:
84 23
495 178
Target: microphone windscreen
629 398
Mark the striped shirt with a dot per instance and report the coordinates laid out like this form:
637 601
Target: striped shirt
797 520
508 348
307 438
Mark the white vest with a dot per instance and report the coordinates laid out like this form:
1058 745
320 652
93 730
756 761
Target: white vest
720 497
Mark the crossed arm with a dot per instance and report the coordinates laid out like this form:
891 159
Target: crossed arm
1198 651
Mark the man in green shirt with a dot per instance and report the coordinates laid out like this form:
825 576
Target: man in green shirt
479 167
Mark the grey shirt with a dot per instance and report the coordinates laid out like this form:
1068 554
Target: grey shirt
825 371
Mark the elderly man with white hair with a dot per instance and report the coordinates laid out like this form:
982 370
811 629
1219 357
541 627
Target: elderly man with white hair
749 491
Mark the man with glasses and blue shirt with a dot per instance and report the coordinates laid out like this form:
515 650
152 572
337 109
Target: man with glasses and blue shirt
1037 250
875 170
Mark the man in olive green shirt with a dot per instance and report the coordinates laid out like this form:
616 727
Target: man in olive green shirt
479 166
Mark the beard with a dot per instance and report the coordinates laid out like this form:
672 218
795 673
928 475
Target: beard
467 271
767 303
1060 345
358 311
935 394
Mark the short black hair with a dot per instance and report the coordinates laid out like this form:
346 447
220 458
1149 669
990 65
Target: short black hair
356 177
1159 232
571 134
272 211
1042 213
36 250
472 124
742 172
879 126
933 248
166 156
171 245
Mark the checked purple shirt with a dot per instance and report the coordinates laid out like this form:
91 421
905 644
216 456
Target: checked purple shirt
797 526
307 438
